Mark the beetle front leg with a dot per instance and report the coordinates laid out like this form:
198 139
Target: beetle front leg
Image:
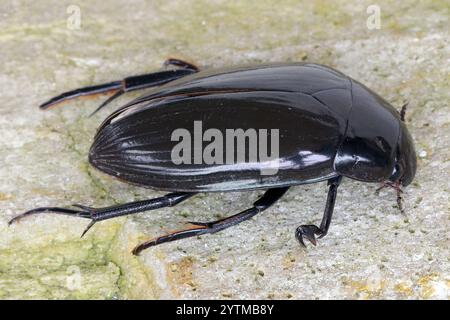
310 231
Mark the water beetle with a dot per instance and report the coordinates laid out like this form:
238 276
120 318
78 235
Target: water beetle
331 126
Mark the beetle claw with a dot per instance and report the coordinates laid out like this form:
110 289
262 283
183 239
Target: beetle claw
91 212
88 227
308 232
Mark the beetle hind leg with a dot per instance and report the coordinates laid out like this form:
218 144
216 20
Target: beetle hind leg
310 231
99 214
199 228
117 88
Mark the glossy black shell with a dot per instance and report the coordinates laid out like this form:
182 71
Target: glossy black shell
329 125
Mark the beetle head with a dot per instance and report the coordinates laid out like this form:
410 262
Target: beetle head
405 160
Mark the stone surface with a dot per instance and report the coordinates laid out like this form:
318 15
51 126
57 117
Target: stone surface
371 252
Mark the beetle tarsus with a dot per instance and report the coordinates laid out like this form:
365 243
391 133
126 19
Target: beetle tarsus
57 210
310 231
198 228
172 236
181 64
82 92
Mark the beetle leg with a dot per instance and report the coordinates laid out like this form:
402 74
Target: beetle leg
403 111
99 214
181 64
128 84
397 187
389 184
399 191
310 231
57 210
199 228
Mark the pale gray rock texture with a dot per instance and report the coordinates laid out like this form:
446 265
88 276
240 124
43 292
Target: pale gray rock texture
371 251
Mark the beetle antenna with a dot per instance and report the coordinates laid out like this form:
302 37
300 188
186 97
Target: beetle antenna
403 111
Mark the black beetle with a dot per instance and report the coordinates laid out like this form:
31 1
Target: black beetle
330 125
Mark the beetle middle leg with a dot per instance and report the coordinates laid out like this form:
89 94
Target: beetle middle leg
198 228
310 231
117 88
99 214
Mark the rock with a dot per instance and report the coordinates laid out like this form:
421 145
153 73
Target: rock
371 252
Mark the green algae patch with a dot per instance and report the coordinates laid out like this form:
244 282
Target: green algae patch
71 269
137 279
69 282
